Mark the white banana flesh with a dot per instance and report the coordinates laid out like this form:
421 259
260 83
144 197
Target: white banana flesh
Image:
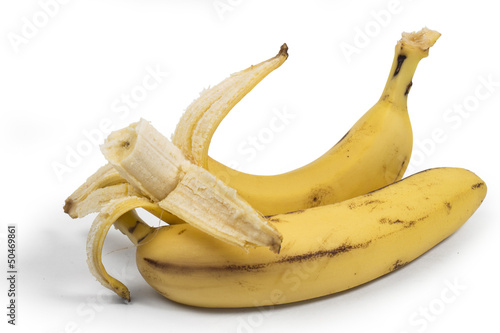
158 169
208 204
145 158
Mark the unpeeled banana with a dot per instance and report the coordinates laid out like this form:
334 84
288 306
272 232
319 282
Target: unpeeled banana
325 249
315 250
375 151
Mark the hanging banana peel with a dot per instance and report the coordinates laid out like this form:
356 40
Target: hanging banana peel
234 239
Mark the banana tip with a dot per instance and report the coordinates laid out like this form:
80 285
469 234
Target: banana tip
283 51
123 293
276 247
68 204
423 39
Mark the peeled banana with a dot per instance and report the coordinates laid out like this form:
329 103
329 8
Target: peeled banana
220 98
162 181
159 170
375 151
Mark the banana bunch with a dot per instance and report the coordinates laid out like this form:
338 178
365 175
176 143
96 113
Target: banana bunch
342 220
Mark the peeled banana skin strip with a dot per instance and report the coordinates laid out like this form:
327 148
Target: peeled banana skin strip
113 211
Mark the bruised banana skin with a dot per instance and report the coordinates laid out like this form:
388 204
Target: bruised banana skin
375 151
333 247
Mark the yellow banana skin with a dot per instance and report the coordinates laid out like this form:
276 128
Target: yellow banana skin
325 249
374 153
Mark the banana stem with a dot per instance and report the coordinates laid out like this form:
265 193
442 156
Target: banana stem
132 226
410 49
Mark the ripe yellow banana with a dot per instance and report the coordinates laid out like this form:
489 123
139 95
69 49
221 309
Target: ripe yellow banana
341 246
374 152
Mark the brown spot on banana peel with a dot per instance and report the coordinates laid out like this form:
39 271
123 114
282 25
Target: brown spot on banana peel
405 224
275 217
401 168
343 248
476 186
448 205
398 264
165 266
132 228
125 294
342 138
385 220
408 87
300 211
181 232
148 236
354 205
371 202
318 195
140 240
401 59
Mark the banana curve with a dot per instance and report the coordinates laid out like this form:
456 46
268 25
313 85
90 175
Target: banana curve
341 246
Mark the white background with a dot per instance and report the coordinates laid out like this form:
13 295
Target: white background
66 74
